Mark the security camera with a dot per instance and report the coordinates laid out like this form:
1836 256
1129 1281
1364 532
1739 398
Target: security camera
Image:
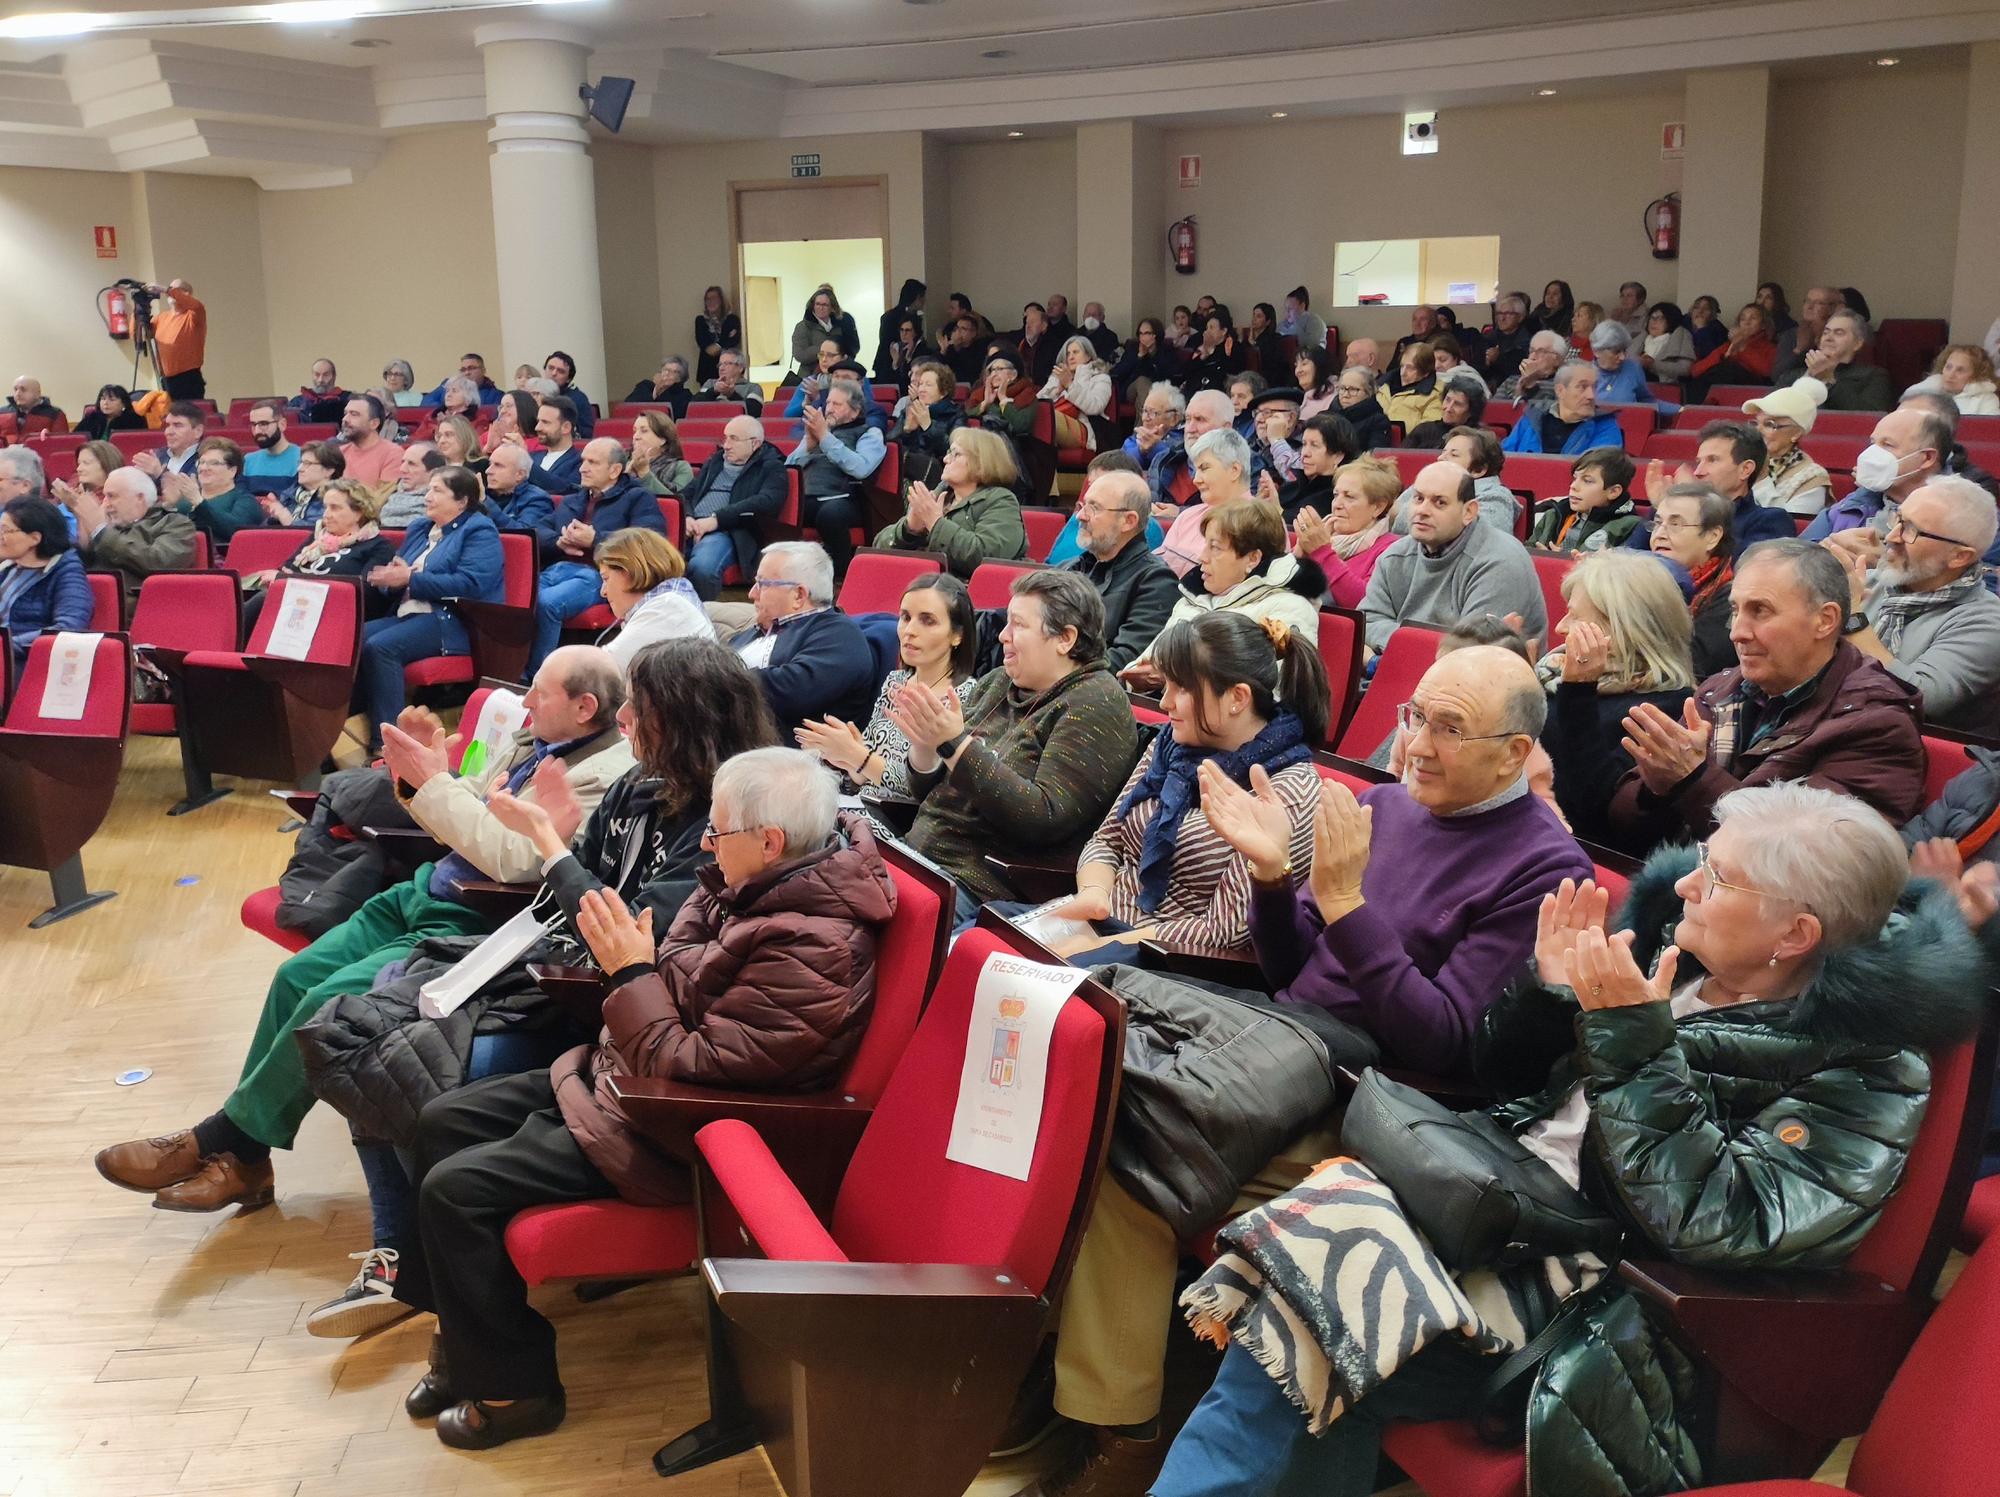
1420 127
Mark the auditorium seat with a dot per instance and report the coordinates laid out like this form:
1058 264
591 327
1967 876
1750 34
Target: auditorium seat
107 602
1943 759
1340 636
502 633
178 613
1411 651
1550 569
1043 526
1537 473
260 914
992 582
877 576
265 550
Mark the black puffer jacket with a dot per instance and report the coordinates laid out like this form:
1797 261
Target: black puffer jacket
333 871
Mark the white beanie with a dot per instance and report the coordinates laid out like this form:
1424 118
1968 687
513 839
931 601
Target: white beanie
1798 402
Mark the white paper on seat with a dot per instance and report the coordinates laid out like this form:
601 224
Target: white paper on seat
504 714
481 965
67 691
298 620
999 1112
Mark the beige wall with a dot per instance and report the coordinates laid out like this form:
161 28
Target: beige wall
1014 224
628 257
204 229
400 265
1862 187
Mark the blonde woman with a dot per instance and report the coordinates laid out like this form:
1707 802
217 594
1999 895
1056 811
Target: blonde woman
971 516
647 591
346 543
1079 388
1628 639
458 440
1965 373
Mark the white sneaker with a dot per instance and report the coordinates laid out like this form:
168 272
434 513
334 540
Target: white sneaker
368 1304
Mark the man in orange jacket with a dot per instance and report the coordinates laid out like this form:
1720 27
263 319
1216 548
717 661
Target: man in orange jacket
180 340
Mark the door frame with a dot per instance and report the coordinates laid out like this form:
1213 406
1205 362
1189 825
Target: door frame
737 188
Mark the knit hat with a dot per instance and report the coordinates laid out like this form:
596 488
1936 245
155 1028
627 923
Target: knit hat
1799 402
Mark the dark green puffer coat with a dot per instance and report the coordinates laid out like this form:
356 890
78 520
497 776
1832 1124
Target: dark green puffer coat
1763 1136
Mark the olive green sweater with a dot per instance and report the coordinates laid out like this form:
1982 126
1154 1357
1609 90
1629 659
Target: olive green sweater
985 525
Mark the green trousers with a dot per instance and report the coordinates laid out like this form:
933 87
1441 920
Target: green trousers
271 1097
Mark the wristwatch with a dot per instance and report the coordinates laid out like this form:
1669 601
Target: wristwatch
1856 622
952 745
1284 876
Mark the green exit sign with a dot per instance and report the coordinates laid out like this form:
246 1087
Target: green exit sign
806 166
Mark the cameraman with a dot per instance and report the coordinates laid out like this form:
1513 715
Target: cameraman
180 338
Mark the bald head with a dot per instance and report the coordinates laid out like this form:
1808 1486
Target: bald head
577 692
603 464
1482 709
508 467
1364 353
27 391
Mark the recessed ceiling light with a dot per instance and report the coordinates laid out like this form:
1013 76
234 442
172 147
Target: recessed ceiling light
997 53
1278 114
1545 93
61 23
1016 134
1887 62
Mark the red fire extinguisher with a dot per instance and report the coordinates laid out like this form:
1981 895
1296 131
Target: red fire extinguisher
1181 244
1663 226
118 313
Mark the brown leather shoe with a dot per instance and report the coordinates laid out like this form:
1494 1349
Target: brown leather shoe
151 1164
223 1181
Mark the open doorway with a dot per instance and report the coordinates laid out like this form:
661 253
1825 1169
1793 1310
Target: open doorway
793 239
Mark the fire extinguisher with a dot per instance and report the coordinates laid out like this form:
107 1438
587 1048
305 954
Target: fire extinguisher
118 313
1181 244
1663 226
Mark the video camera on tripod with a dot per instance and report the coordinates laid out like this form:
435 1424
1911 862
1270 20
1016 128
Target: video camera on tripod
126 306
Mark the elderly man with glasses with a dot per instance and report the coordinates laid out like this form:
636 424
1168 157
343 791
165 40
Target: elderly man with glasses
811 659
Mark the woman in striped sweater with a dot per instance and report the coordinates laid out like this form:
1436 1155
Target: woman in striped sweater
1244 700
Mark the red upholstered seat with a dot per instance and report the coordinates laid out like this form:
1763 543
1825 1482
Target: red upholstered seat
1550 569
260 914
1340 636
601 1240
501 632
1044 526
1982 1213
1476 1469
265 550
1943 759
992 582
107 603
1411 651
876 578
1537 473
185 613
1635 423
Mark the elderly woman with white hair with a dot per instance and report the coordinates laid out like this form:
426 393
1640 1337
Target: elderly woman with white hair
1079 388
1745 1057
1621 379
1221 464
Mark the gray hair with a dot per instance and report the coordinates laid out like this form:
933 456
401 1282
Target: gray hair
1713 512
1225 446
806 563
1607 336
1515 300
1068 602
1847 314
682 364
26 465
1549 340
854 393
1974 518
1062 354
1813 567
1526 708
1366 372
786 788
469 388
137 476
1830 852
728 353
402 367
1171 395
1214 401
1571 372
519 453
543 388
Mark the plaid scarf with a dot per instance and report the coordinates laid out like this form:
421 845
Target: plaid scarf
1894 610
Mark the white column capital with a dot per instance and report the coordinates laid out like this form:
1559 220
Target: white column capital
533 130
531 31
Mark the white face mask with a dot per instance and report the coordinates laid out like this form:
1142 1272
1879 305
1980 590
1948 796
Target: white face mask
1877 468
1093 323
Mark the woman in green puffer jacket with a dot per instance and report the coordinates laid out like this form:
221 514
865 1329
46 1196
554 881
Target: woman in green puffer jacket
1749 1105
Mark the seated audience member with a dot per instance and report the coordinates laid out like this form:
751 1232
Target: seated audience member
1326 443
1507 344
320 463
1028 766
561 368
644 583
42 586
1420 904
321 398
1706 328
471 366
559 466
1851 383
656 457
346 542
1217 359
1318 380
732 382
811 659
127 530
742 484
1004 400
1274 431
1035 344
925 419
1802 704
1964 371
1461 402
22 475
274 466
610 499
1572 425
1423 322
29 413
213 495
1533 381
1448 352
1181 334
405 503
1158 430
668 385
1476 450
401 381
1621 379
1300 321
1068 544
1908 448
1747 357
1449 566
1263 336
1244 700
513 498
1355 402
451 553
1079 388
815 382
1247 568
1583 323
971 515
1144 362
1598 511
225 1160
937 641
1667 351
1557 312
1347 543
1802 338
1728 458
1243 391
763 982
1221 464
1626 639
1692 532
1135 590
1630 313
111 411
457 442
182 429
1805 987
961 352
1414 397
1928 617
461 398
371 458
513 421
1791 481
894 358
839 452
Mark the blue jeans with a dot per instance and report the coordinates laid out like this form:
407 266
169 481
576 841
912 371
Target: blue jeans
1245 1439
707 560
567 589
392 1199
387 645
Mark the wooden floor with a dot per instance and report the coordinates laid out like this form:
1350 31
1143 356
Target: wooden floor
147 1353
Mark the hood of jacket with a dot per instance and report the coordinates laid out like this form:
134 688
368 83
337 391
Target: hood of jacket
845 879
1920 984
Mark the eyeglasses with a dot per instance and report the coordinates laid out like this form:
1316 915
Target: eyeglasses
1446 736
1901 523
757 582
713 833
1715 880
1672 523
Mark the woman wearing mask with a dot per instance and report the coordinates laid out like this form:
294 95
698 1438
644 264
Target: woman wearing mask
715 328
657 460
1347 543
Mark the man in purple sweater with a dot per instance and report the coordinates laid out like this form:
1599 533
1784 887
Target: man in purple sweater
1419 907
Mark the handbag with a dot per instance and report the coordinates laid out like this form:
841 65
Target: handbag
1480 1196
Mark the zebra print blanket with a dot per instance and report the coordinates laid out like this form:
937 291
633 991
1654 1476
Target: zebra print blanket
1331 1289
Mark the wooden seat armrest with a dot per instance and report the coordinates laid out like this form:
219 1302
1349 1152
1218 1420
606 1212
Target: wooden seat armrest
810 1133
412 844
579 990
299 802
1182 961
502 621
490 897
1036 879
857 1313
1760 1330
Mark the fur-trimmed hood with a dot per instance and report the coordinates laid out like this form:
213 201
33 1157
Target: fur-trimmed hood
1922 983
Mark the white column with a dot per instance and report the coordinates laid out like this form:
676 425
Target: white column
1722 184
1975 282
544 200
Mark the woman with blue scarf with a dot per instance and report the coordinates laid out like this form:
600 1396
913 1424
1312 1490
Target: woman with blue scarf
1247 702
